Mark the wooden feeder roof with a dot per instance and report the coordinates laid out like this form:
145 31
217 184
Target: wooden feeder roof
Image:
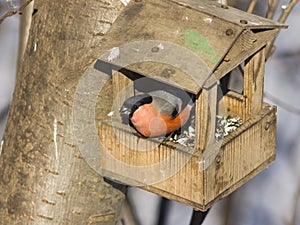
221 36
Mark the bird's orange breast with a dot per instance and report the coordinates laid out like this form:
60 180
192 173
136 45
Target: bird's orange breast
149 123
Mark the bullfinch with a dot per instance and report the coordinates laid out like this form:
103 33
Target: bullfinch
157 113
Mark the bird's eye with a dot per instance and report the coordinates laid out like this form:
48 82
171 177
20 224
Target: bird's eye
134 107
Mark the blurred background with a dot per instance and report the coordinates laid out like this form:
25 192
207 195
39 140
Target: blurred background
9 42
272 197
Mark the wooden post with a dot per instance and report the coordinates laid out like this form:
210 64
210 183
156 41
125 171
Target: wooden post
122 88
253 83
206 110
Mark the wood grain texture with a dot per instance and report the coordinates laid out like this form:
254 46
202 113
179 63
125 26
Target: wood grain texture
204 176
43 178
122 88
226 41
254 83
205 117
242 155
214 34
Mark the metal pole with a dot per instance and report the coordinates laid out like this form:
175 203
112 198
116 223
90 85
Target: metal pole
163 211
198 217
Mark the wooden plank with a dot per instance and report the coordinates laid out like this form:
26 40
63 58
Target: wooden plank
235 103
230 14
242 156
246 45
238 184
197 32
244 153
190 27
171 75
122 88
119 82
186 186
203 28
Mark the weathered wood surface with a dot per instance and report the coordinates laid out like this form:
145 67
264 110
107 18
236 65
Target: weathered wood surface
205 117
243 154
122 89
230 14
43 178
236 102
207 174
246 45
254 71
207 34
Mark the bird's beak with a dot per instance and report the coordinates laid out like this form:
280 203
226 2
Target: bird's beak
124 111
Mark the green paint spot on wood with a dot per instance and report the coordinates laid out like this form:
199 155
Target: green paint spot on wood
198 43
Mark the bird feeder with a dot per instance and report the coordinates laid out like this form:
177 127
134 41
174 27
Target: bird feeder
222 38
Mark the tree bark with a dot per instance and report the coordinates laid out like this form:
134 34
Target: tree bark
43 177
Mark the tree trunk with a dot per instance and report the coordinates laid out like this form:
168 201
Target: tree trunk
43 177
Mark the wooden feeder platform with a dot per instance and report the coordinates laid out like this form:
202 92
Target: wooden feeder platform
223 38
243 154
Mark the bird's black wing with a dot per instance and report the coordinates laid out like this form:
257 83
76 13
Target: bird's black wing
171 101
